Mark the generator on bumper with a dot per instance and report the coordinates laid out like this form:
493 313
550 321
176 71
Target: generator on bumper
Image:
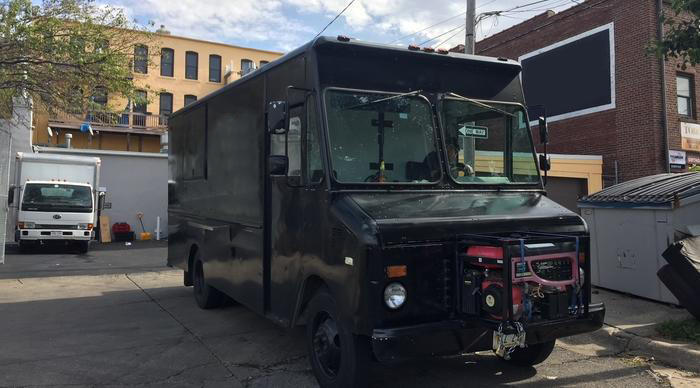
516 280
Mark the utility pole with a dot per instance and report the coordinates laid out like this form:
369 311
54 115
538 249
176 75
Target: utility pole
470 23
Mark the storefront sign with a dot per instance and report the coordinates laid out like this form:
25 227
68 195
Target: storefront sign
690 136
677 159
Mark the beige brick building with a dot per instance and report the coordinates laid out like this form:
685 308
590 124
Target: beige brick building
186 69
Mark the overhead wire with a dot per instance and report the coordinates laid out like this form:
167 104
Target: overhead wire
334 19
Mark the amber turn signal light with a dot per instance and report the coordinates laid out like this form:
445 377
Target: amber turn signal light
396 271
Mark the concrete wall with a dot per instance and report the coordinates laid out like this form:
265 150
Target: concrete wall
135 182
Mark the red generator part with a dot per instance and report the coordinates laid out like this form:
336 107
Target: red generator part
121 227
492 298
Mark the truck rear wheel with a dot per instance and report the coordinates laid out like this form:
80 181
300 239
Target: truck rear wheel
207 297
338 357
532 354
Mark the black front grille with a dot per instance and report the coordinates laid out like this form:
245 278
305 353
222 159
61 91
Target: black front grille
557 269
55 226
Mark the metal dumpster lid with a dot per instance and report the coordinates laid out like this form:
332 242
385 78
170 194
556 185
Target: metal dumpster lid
659 190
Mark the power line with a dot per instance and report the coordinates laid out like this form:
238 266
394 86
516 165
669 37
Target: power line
334 19
451 36
427 28
443 34
438 23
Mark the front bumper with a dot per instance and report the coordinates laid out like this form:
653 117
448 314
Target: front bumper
458 336
51 234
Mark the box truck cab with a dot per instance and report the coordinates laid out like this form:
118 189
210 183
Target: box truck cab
56 199
387 198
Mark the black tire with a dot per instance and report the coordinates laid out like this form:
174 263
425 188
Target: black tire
532 354
83 246
25 246
338 357
207 297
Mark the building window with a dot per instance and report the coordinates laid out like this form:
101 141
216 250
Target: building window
246 66
189 99
684 92
166 104
141 59
263 63
166 108
191 65
139 108
214 68
99 96
167 59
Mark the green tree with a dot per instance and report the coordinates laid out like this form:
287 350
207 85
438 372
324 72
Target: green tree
59 52
682 36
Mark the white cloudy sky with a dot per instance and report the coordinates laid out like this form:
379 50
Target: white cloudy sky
285 24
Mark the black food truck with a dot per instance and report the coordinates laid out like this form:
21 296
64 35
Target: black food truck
389 199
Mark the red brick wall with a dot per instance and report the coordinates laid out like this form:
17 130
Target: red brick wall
632 133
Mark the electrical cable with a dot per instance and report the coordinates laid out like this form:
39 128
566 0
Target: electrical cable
334 19
443 34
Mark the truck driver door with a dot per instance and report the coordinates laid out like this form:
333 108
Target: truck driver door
293 205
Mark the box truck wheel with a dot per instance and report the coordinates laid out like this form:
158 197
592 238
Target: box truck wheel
25 246
83 246
207 297
338 357
532 354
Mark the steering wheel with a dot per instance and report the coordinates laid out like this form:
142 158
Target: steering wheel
465 168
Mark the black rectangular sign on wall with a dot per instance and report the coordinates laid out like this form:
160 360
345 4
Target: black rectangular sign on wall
572 77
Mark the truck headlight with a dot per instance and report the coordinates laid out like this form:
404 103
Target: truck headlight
394 295
85 226
26 225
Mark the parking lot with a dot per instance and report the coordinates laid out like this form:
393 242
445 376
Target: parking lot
119 317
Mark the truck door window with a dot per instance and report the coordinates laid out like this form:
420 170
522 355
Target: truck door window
296 115
314 165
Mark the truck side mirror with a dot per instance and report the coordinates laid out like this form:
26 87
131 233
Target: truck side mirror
544 132
276 117
11 195
545 164
278 164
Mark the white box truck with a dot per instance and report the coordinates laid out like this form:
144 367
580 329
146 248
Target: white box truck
55 198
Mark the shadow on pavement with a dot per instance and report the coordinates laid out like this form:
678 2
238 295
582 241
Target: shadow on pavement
97 330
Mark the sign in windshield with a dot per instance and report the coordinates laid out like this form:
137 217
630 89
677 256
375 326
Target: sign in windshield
57 197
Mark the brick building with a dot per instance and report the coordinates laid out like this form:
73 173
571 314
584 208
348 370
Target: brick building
593 55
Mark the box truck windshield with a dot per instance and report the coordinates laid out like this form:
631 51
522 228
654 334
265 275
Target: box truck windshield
54 197
477 145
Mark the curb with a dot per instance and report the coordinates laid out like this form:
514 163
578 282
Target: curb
678 355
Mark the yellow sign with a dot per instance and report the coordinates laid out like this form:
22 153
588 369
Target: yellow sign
690 136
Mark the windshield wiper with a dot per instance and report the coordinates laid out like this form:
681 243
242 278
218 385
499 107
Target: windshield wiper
481 104
413 93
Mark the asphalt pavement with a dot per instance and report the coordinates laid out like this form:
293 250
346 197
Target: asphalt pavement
119 317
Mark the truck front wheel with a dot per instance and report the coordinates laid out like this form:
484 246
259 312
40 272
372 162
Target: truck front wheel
338 357
83 246
532 354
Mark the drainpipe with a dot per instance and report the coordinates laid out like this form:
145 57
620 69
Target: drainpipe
662 67
68 139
